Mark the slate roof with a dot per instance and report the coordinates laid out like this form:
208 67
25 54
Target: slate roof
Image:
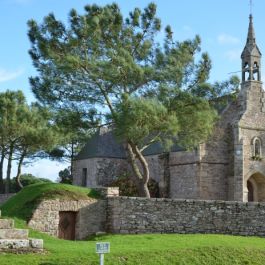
103 144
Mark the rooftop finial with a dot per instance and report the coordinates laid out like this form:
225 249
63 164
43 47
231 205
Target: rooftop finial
250 6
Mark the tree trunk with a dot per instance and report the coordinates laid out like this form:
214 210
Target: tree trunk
142 176
2 188
19 184
143 190
9 167
72 160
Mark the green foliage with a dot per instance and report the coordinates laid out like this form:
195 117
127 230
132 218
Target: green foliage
26 179
127 187
256 158
113 68
224 93
75 128
23 203
105 56
25 130
65 176
196 118
143 121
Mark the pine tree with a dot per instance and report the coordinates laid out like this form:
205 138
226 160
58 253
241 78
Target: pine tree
115 66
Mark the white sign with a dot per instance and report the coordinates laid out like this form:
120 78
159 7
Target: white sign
103 247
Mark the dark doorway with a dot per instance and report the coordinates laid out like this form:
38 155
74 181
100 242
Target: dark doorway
250 192
84 177
67 222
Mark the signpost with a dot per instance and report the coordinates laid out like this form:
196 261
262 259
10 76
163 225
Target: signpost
101 249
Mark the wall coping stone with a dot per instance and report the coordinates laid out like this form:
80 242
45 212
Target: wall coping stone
238 203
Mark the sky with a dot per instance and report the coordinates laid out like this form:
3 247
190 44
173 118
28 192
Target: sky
221 24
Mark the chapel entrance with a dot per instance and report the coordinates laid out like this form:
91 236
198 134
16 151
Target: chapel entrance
250 192
67 221
256 188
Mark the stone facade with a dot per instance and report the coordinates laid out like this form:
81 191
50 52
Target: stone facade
101 171
131 215
91 216
229 166
141 215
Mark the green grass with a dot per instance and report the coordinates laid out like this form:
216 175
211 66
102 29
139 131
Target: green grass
23 203
150 249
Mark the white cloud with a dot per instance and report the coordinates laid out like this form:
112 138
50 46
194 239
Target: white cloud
224 39
233 55
6 75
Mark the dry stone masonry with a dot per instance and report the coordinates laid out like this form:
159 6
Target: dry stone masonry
90 216
12 239
130 215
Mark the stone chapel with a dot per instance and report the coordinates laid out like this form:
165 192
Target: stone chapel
229 166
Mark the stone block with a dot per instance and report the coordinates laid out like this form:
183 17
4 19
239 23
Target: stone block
14 244
6 223
36 243
13 233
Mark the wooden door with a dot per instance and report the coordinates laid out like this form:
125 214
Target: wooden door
67 222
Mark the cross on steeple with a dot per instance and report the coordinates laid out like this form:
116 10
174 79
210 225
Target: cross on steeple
250 6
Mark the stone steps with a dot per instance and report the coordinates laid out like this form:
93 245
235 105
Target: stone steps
14 233
6 223
12 239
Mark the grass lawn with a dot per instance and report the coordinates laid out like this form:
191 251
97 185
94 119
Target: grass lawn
148 249
151 249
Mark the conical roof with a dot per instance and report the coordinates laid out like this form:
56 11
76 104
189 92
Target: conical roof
251 47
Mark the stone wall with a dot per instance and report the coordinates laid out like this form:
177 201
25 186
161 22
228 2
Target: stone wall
100 171
91 216
141 215
5 197
184 182
108 191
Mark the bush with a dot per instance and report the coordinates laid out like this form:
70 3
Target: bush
127 186
65 176
26 179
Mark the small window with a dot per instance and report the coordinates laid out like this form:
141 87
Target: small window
84 177
257 147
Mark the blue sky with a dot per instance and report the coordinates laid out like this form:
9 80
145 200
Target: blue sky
222 25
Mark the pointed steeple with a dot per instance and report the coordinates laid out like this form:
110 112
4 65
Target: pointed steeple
251 32
251 56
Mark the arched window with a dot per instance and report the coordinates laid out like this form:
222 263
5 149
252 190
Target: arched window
256 71
246 75
257 147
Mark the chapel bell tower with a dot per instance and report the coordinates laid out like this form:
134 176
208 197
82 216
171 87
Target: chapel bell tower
251 57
